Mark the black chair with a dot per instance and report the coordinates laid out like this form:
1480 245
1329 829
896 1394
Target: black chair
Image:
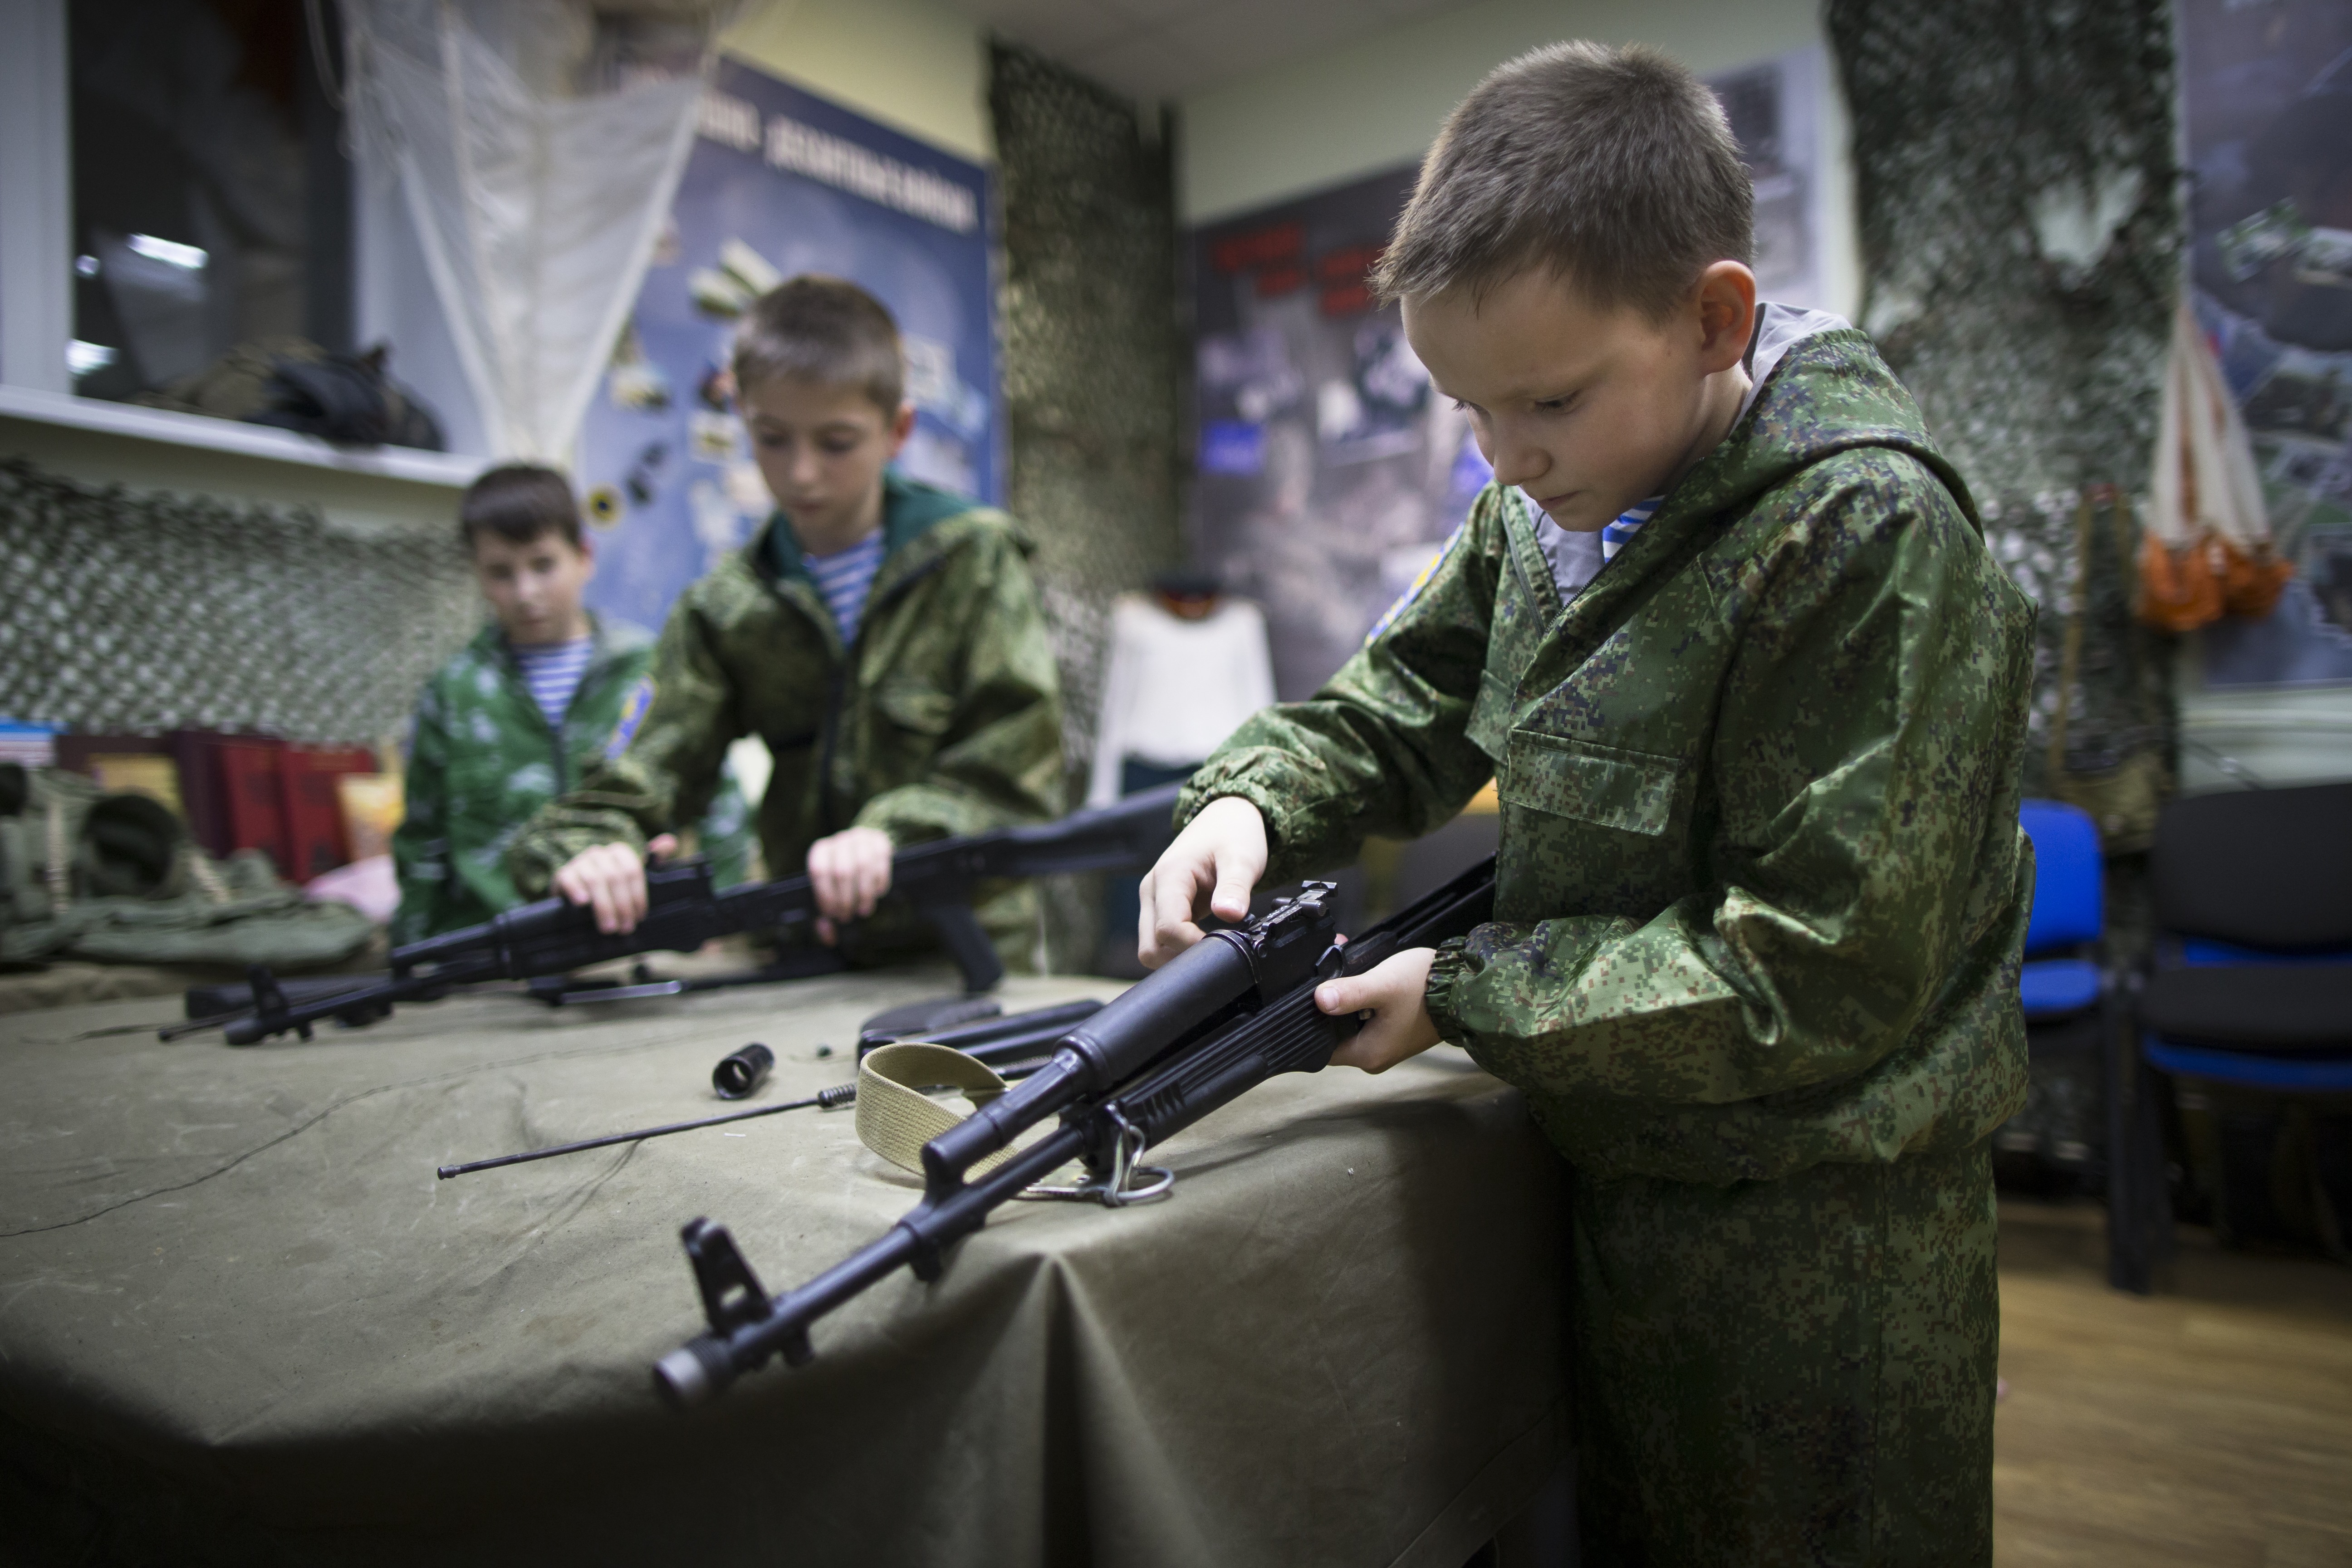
2251 980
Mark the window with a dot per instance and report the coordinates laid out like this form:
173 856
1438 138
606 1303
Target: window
211 198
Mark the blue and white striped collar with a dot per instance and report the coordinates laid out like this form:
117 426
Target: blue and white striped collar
1615 536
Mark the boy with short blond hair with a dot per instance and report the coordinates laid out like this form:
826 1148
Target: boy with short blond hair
881 636
1725 633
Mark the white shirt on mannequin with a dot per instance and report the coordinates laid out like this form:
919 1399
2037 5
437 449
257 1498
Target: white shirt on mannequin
1173 689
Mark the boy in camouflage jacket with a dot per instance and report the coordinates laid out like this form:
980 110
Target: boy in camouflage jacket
882 636
485 754
1726 635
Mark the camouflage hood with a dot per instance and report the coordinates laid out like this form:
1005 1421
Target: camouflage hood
1823 394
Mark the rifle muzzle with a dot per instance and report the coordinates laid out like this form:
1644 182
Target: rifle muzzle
694 1372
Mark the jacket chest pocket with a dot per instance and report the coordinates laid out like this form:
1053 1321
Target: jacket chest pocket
1633 791
914 706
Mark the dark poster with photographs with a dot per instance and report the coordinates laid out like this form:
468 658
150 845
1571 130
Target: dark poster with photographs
2266 92
1329 473
782 182
1329 470
1774 107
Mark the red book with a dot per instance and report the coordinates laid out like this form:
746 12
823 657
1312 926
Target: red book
253 795
316 840
202 804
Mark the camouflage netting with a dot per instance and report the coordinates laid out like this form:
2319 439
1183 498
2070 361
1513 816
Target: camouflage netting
1093 372
1093 365
2015 180
134 611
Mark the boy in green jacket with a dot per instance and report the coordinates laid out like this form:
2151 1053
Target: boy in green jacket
1725 634
522 713
882 636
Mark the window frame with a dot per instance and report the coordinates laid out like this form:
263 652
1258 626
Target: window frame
36 302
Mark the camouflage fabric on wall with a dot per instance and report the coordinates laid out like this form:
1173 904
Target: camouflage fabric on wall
2015 179
136 611
1094 374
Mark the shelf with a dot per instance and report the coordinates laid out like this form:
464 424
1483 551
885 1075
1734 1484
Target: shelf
443 469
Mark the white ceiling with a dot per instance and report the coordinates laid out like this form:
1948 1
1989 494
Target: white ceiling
1168 48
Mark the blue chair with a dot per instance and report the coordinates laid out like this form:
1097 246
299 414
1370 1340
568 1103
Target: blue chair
2064 985
2069 914
2251 979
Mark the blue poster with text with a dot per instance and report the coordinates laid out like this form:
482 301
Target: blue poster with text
781 182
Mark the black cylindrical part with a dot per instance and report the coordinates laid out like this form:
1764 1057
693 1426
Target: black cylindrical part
1062 1079
739 1073
1133 1027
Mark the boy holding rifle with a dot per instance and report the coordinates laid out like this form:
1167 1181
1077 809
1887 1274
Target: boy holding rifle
506 726
882 636
1725 634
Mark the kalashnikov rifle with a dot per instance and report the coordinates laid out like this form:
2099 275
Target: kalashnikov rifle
684 910
1220 1018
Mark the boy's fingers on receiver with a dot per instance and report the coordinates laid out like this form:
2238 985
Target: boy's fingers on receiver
1232 899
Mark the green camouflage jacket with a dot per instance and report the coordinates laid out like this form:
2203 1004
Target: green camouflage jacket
483 761
1761 891
945 717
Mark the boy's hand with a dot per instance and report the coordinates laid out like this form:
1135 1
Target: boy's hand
1395 993
612 878
851 870
1209 869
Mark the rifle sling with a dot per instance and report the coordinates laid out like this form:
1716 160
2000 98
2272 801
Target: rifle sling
896 1118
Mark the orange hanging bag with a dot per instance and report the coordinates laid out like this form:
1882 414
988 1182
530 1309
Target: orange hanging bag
2178 591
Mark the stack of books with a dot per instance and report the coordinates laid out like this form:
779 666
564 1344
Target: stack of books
238 791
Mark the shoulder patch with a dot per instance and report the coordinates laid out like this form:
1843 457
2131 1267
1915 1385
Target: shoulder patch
632 713
1428 571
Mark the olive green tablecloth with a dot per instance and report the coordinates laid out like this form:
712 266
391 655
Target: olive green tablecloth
241 1321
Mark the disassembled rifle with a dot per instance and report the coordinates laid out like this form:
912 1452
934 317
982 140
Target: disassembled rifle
1220 1018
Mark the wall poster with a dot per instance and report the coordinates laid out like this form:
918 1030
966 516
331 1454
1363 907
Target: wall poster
2266 95
782 182
1328 471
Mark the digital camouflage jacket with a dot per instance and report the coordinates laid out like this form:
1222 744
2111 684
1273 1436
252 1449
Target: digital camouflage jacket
483 760
1761 890
945 717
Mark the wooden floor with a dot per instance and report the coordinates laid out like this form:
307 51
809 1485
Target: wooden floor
2210 1424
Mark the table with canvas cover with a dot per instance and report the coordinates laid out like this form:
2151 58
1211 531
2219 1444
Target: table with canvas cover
240 1319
